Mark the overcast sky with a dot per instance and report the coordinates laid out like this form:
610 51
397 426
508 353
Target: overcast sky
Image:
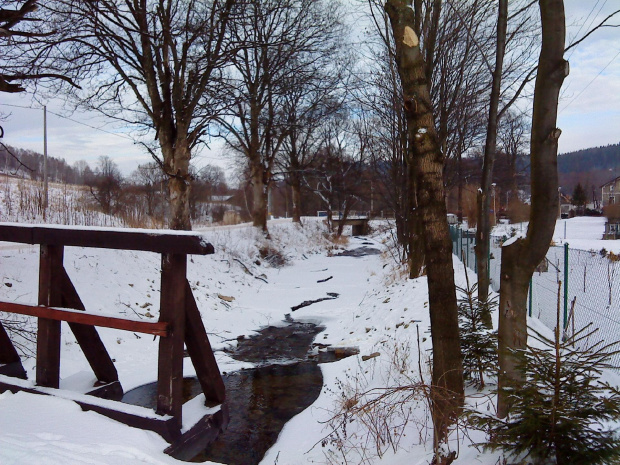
589 110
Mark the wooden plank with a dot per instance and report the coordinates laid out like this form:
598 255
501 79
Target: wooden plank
199 436
14 370
87 336
165 427
8 353
172 310
199 350
147 327
151 241
48 331
110 391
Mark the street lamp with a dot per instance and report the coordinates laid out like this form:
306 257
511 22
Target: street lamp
494 210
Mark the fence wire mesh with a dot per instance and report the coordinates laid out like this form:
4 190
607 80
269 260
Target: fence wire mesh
592 295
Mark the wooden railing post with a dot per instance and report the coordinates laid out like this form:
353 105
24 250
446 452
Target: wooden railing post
48 331
172 310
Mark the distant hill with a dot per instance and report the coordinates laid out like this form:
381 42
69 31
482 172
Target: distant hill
590 167
29 164
596 158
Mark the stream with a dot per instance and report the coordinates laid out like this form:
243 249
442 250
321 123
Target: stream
285 381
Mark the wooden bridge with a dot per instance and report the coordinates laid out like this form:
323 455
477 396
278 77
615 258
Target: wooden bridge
179 325
359 224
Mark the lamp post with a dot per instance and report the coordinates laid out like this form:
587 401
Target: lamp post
494 206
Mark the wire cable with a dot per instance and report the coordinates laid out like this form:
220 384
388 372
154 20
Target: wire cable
73 120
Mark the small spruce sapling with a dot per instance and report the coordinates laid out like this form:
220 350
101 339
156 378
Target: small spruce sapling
478 343
560 415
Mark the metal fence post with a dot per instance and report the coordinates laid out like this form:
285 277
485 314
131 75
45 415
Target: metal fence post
565 285
530 313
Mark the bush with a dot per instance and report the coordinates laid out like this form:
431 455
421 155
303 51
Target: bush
518 211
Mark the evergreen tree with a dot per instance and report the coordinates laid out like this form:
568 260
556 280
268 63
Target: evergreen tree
478 343
580 198
559 415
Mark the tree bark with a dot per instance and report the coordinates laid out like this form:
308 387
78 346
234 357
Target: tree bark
259 197
425 153
483 231
176 166
520 258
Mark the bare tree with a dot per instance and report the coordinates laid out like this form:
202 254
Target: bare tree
512 135
24 42
106 185
309 102
503 39
277 40
154 65
458 84
149 180
520 258
425 152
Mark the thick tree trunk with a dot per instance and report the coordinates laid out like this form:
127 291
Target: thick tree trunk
259 197
520 258
447 376
176 166
179 188
483 231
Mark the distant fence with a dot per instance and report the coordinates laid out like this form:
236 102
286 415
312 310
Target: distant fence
589 293
463 243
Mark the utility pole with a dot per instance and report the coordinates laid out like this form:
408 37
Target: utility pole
45 198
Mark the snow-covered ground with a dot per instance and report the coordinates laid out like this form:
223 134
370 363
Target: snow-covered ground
378 310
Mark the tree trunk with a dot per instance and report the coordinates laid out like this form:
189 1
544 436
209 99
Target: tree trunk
296 193
259 197
179 189
483 231
447 377
176 166
414 222
520 258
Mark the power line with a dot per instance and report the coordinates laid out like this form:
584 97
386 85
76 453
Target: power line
73 120
586 20
594 79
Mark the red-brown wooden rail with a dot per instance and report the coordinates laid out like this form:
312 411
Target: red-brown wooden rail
179 322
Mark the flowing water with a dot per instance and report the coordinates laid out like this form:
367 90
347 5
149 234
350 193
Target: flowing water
286 380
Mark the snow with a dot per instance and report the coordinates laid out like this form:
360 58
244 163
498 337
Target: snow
378 310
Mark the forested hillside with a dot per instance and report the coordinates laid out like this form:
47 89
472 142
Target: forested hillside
591 167
596 158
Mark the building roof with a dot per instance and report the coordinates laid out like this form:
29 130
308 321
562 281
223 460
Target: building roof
610 182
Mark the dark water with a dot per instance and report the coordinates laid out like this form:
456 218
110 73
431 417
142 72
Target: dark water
359 252
261 400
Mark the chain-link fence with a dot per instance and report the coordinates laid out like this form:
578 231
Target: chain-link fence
463 242
591 294
587 284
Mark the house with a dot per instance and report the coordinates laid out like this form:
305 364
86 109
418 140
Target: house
610 192
610 200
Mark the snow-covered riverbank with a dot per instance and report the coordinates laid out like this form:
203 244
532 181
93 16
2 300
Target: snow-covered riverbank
377 310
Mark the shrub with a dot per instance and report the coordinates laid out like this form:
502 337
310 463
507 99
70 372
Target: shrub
518 211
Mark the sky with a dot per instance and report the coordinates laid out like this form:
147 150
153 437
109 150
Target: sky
589 112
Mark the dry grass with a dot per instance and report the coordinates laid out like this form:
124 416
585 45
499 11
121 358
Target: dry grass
517 211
